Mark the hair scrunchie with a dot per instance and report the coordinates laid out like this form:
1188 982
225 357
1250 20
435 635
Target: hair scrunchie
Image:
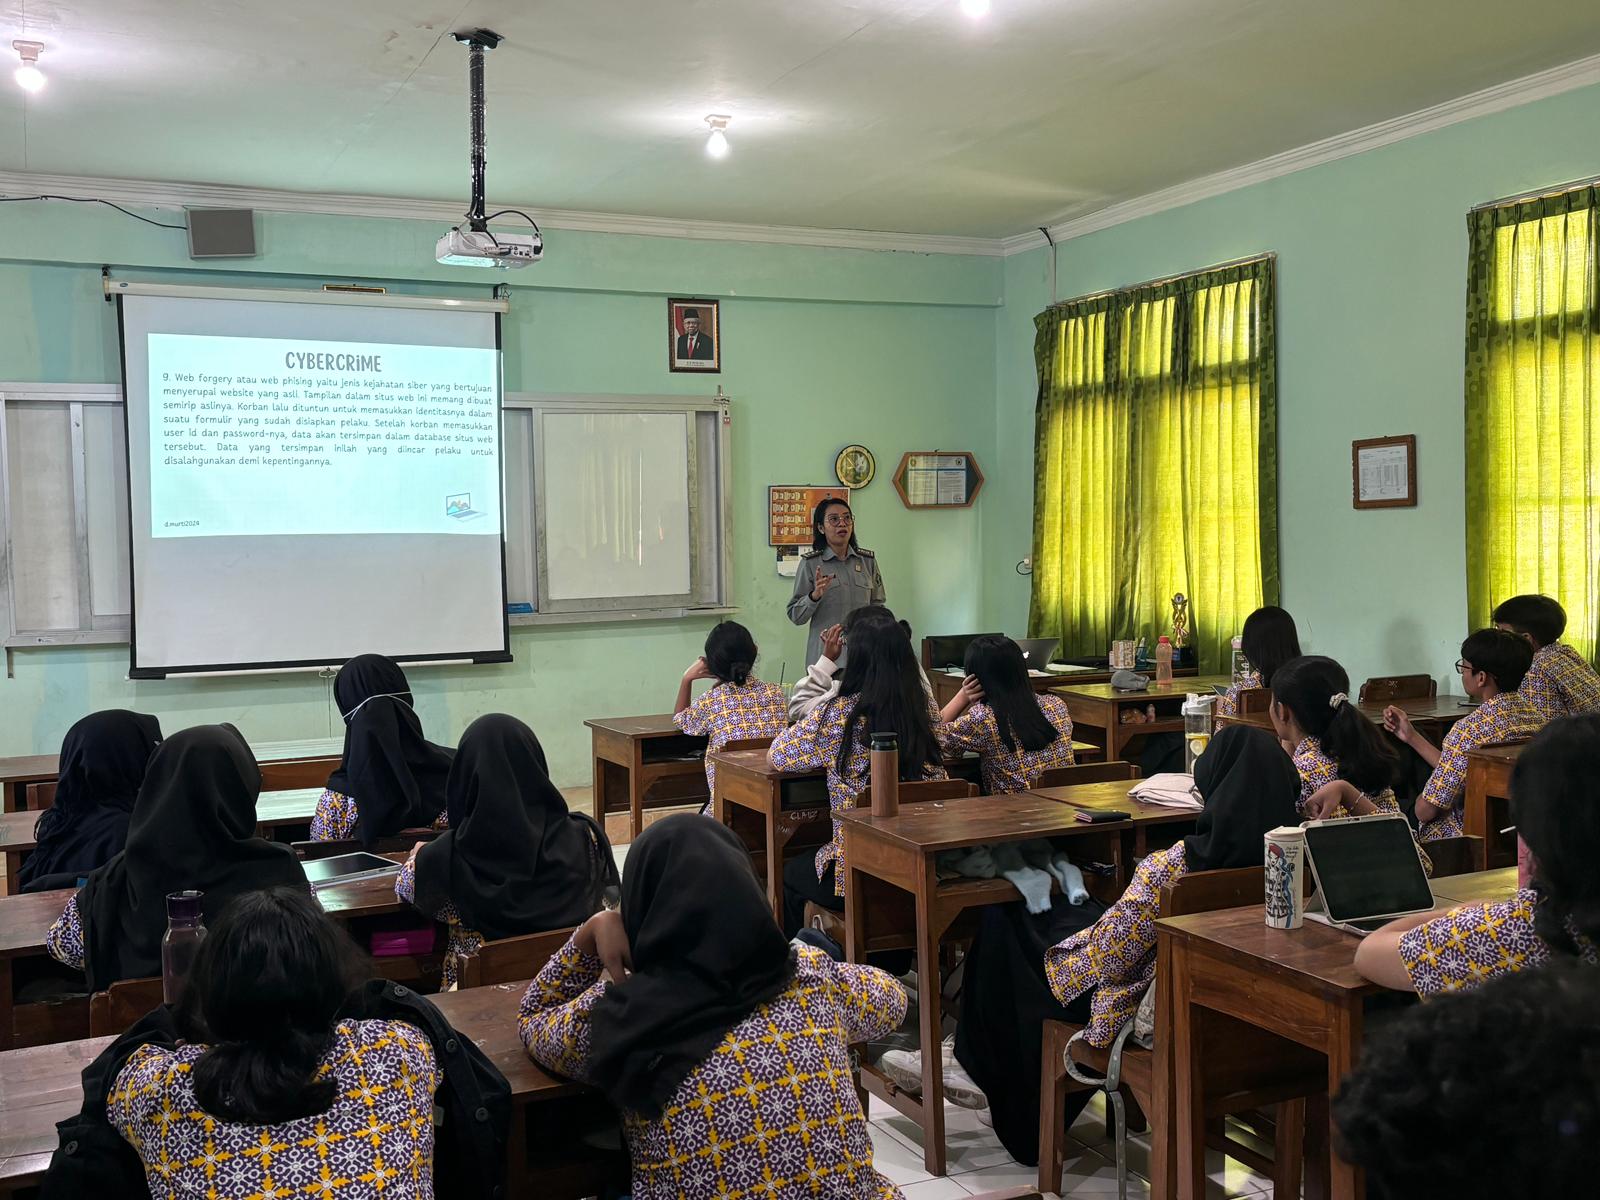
1338 698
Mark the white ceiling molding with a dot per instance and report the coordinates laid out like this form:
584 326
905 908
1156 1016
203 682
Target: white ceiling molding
148 194
1556 80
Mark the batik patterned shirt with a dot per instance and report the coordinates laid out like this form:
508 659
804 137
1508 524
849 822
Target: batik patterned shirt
813 745
1560 683
1471 945
731 712
464 943
64 941
1116 956
772 1112
375 1140
1228 702
1015 769
1317 770
335 818
1503 718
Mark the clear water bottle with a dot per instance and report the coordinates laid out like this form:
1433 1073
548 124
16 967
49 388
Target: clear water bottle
1197 725
185 931
1164 660
1241 665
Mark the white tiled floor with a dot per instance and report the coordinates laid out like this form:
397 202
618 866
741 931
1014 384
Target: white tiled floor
978 1163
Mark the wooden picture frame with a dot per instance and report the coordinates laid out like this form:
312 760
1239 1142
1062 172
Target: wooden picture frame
938 479
1383 472
701 353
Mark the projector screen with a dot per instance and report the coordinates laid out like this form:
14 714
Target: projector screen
310 481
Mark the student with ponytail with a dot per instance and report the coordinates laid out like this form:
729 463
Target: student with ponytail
1017 734
1346 767
738 706
1556 917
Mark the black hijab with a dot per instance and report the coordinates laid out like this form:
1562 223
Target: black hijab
706 951
193 827
1249 786
103 758
395 775
514 860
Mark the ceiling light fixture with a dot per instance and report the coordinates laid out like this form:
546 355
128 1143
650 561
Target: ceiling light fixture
28 76
717 143
975 8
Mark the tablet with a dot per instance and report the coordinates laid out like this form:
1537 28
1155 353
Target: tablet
1367 870
341 868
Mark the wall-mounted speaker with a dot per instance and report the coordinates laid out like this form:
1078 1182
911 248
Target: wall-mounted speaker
222 232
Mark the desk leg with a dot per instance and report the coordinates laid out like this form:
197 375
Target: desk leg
8 886
597 793
1345 1182
770 822
931 1021
8 1017
636 789
1188 1099
13 793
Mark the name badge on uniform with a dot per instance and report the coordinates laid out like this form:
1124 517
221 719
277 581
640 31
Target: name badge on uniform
858 564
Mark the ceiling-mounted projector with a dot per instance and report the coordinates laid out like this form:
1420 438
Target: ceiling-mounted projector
471 244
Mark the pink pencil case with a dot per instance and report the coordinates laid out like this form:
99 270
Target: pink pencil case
393 943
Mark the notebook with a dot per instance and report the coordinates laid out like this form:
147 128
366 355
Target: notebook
1367 872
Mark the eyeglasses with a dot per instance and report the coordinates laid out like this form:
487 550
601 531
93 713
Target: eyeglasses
838 522
1463 666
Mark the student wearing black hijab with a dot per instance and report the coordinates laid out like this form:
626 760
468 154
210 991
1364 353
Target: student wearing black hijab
711 1024
103 760
390 777
193 827
514 860
1097 976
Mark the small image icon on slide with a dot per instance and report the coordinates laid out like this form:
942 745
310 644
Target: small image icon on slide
460 507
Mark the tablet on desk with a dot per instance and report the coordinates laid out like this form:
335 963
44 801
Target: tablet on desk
342 868
1366 870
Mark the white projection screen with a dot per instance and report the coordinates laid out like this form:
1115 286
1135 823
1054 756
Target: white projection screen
310 480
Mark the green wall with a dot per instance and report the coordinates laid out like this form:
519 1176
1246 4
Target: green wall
821 347
1371 315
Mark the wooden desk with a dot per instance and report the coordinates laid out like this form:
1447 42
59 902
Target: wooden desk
16 839
1099 707
892 886
1433 716
642 762
284 765
1299 984
1486 809
1478 887
42 1085
945 685
1151 826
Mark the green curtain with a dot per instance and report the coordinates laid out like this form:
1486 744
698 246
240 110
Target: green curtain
1156 461
1532 420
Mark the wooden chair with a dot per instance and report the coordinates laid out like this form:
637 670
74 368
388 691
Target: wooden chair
1126 1067
917 791
1106 772
38 796
123 1003
1254 700
760 743
400 843
1382 689
512 959
1459 855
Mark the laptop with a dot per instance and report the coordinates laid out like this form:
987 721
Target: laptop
342 868
1037 651
950 649
1367 872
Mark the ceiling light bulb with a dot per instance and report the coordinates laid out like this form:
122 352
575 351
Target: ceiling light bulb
717 143
975 8
28 76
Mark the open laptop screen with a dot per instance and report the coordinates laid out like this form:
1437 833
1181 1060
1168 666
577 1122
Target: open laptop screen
1367 868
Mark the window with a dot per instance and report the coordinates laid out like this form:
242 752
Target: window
1156 461
1532 420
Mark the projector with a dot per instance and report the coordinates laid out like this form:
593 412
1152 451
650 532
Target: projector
470 248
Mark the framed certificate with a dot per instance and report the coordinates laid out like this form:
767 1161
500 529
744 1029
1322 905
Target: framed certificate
938 479
1384 472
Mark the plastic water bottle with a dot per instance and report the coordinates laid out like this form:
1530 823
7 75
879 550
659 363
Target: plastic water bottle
185 931
1197 725
1241 665
1164 660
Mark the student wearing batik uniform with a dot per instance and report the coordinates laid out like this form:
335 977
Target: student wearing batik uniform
1346 766
738 706
726 1049
514 860
880 693
102 765
389 777
1559 683
1492 665
1268 640
1558 916
820 683
1017 735
193 827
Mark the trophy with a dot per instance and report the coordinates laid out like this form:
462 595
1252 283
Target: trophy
1180 621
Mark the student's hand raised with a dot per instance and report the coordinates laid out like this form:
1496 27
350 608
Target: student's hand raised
1398 723
603 936
833 641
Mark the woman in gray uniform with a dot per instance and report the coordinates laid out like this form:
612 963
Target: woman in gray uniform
835 577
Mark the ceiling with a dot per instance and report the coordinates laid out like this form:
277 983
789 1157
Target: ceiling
899 115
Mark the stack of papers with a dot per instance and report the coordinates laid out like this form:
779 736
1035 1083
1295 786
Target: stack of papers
1170 790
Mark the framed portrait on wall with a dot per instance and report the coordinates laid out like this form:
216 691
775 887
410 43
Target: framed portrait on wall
694 336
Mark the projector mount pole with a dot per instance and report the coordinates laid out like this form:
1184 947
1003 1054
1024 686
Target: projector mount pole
477 42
